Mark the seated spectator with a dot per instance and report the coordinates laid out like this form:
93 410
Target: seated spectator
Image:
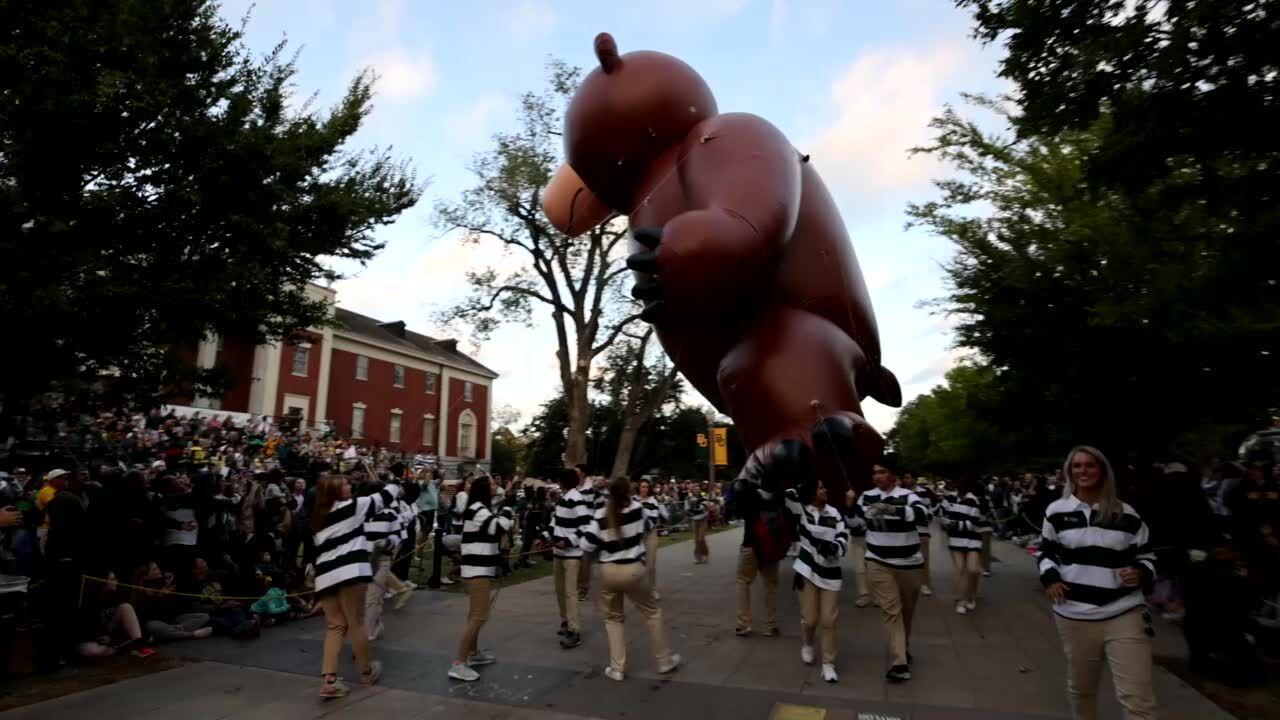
227 617
164 616
108 620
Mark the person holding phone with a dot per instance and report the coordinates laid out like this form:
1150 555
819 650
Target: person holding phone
1095 559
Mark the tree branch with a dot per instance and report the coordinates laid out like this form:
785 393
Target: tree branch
614 333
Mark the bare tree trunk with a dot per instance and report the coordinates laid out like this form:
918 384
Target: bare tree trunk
579 420
635 414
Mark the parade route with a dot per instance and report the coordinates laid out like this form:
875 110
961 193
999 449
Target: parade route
1003 662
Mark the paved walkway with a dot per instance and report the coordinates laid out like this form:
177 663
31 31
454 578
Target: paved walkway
1003 662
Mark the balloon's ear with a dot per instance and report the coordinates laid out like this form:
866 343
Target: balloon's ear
569 205
607 53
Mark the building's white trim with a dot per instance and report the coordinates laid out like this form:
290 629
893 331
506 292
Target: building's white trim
428 416
420 361
442 427
322 382
397 411
302 401
468 414
206 357
488 423
266 379
360 405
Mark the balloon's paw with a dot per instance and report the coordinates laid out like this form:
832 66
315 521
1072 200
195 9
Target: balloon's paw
847 435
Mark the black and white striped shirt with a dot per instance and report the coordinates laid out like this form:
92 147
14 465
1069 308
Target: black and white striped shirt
624 544
342 548
894 540
482 529
926 499
385 530
653 510
1077 550
824 539
456 513
573 512
966 521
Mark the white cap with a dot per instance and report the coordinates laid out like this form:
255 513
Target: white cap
55 474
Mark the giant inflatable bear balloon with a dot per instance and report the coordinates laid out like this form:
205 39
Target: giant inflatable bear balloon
740 257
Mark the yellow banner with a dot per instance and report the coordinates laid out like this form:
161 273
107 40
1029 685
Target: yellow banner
720 445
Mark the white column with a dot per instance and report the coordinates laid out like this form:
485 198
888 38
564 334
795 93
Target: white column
266 379
488 424
206 357
320 413
442 446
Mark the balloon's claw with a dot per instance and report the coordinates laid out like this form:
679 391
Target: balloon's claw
646 262
648 236
646 291
652 311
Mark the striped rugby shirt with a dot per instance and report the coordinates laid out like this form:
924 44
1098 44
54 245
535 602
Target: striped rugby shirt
623 545
894 540
385 530
1076 550
926 499
481 531
824 539
573 512
966 513
653 510
342 548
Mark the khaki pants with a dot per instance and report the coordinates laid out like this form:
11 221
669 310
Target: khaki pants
986 552
968 564
818 606
566 575
924 550
748 567
859 553
700 551
1123 642
374 592
584 576
477 615
896 590
630 580
651 558
344 615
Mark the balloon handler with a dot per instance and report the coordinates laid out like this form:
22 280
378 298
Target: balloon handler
740 257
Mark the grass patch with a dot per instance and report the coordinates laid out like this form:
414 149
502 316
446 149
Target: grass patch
421 569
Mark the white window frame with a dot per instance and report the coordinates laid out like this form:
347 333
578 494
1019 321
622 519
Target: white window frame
397 426
362 364
398 370
467 419
303 351
433 381
429 430
468 389
357 430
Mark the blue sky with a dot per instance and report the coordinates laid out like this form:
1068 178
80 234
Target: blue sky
853 84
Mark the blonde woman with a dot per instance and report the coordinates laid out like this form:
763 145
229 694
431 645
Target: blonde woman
1094 561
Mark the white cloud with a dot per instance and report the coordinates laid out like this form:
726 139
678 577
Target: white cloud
884 101
402 75
532 18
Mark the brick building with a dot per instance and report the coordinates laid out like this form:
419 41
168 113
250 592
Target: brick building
374 380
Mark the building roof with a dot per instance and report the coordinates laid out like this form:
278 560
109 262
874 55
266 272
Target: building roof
396 335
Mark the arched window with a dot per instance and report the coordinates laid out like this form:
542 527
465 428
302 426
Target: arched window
467 434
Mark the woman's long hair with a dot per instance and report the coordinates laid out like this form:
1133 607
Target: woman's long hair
619 499
328 494
1110 509
481 491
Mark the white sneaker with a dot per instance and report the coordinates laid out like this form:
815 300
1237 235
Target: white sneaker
446 581
926 590
613 674
388 595
986 573
961 609
657 595
458 671
829 672
806 654
971 605
411 585
671 665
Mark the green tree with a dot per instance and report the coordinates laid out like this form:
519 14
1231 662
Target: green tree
1103 319
1126 274
577 280
156 186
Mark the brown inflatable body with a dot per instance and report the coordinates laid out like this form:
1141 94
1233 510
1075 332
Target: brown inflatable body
741 258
